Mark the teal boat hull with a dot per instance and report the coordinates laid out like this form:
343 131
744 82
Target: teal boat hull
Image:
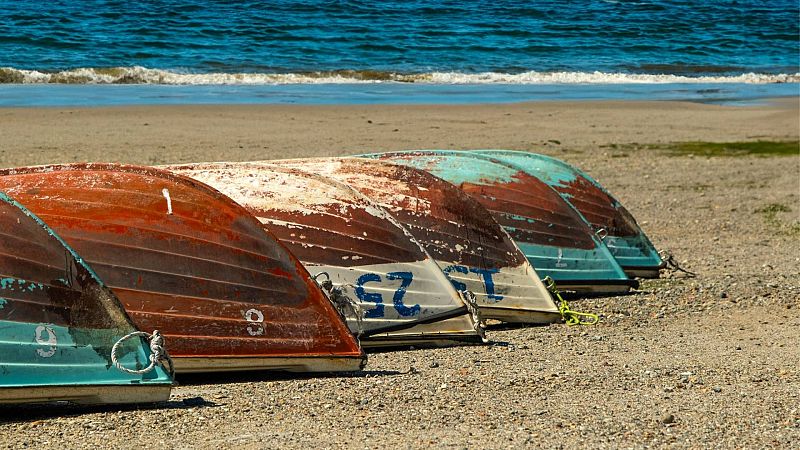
552 235
625 239
59 323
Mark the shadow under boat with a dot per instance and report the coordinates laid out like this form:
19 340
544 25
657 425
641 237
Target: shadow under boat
59 324
465 241
554 237
400 296
623 236
190 262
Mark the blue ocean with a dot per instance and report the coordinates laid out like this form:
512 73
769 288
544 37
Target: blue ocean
108 52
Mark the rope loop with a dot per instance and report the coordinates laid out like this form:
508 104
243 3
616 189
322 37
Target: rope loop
671 264
471 302
343 303
570 317
158 354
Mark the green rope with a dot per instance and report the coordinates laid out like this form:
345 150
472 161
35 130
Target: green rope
570 317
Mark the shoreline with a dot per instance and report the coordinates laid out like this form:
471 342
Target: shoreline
175 134
384 93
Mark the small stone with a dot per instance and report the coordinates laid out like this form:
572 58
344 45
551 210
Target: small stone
717 389
668 419
434 364
723 294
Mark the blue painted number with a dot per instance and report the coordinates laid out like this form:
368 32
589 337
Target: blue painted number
397 299
486 278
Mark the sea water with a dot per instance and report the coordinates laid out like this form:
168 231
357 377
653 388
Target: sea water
60 52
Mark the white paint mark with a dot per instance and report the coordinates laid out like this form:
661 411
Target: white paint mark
256 319
560 264
165 191
51 341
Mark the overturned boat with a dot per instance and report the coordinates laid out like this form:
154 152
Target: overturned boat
620 232
60 326
459 233
190 262
399 295
554 237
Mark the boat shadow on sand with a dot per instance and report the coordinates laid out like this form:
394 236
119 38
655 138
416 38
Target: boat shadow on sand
35 413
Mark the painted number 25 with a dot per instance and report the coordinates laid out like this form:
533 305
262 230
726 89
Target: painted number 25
397 299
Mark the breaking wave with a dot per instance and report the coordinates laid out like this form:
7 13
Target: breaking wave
142 75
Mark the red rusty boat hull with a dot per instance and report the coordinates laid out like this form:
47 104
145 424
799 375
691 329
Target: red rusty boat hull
399 292
190 262
459 233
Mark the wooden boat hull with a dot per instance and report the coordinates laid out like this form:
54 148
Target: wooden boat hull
624 238
460 234
357 245
552 235
58 324
186 260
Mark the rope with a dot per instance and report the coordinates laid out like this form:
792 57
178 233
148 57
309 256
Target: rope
671 264
472 306
158 355
570 317
343 303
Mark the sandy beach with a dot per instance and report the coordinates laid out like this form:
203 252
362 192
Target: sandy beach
172 134
711 361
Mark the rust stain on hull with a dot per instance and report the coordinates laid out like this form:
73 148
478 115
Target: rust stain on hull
317 220
186 260
597 207
529 208
453 227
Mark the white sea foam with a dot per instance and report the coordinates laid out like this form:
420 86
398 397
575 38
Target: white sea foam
142 75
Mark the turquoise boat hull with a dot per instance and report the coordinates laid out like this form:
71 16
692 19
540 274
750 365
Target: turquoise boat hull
552 235
625 239
58 324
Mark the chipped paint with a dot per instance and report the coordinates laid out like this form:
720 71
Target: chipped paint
626 240
58 322
461 235
362 248
212 261
533 214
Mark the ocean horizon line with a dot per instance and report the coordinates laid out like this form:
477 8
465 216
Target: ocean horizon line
142 75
